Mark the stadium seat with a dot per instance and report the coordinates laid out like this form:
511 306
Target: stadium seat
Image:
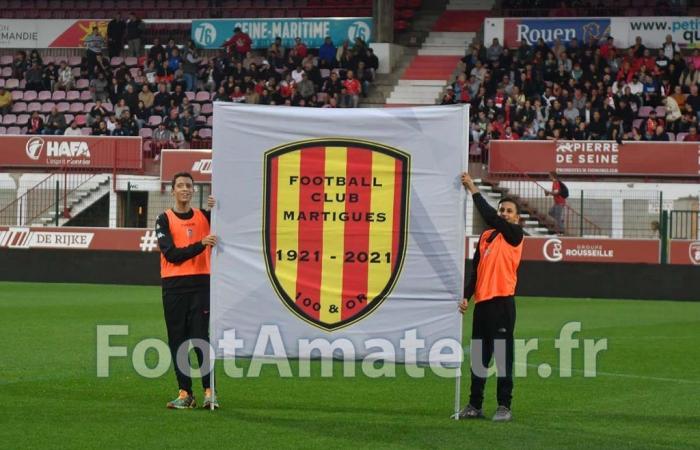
88 107
190 95
87 131
46 107
6 60
205 133
681 136
14 130
9 119
116 61
63 106
76 72
671 136
76 107
636 123
2 82
23 119
644 111
202 96
17 95
74 61
3 130
153 121
6 72
108 106
82 84
34 106
72 96
19 107
207 109
12 83
44 96
660 111
210 121
146 132
80 119
69 118
58 96
85 96
131 61
30 96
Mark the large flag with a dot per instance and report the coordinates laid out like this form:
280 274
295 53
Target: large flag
338 223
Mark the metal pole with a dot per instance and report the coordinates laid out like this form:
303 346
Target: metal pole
58 189
201 196
664 236
581 218
128 204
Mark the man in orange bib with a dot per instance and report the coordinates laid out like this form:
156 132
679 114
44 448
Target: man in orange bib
185 244
492 284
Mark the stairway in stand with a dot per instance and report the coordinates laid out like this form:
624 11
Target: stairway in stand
434 66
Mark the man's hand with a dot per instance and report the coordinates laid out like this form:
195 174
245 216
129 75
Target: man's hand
463 305
468 183
209 241
211 202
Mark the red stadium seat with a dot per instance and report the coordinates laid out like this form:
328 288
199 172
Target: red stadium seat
19 107
18 95
44 95
63 107
72 96
85 96
58 96
23 119
46 107
34 106
9 119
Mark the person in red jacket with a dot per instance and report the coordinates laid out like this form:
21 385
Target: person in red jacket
239 44
492 285
351 91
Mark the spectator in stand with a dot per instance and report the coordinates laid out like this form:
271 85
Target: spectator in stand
73 129
692 135
147 97
19 64
305 87
557 209
173 119
239 44
161 101
190 66
120 107
34 78
94 43
65 79
119 130
673 113
141 114
660 134
129 124
130 97
157 51
100 129
35 124
177 139
97 113
300 48
174 60
134 32
161 138
55 122
326 53
5 100
116 29
49 77
99 88
351 91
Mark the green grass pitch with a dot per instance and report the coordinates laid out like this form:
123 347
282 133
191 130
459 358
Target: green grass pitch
645 394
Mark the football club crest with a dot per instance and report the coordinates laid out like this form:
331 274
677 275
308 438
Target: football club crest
334 226
694 250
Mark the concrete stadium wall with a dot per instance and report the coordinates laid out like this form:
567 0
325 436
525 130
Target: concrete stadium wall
536 278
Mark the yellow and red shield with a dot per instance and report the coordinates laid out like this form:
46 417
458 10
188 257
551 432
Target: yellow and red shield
334 226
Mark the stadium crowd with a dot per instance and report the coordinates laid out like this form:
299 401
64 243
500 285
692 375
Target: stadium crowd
580 91
164 92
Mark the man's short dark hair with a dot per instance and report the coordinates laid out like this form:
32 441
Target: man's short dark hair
181 174
511 200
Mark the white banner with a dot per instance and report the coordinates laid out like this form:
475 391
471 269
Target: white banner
23 34
653 30
343 225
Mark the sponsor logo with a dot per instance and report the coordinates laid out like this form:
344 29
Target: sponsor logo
552 250
694 252
335 227
33 147
202 166
359 29
22 237
67 149
149 241
205 34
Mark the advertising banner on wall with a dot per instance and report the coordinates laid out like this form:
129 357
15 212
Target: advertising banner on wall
196 162
511 31
685 31
599 250
84 152
79 238
600 158
684 252
212 33
18 33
